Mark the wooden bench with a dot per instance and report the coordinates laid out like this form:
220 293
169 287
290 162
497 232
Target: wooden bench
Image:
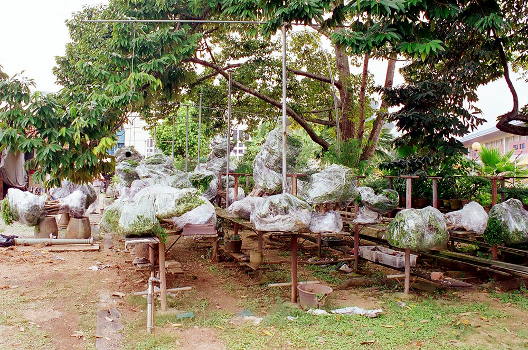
205 231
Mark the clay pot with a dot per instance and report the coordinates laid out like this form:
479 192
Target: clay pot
233 246
64 220
79 228
47 226
420 202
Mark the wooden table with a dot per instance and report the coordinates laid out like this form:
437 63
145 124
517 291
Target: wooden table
222 213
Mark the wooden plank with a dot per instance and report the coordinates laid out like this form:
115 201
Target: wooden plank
207 230
74 248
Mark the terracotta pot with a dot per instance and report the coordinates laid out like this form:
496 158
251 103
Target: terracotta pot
420 202
79 228
446 203
47 226
233 246
64 220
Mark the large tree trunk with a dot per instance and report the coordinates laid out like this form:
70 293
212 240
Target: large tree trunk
348 128
372 143
362 95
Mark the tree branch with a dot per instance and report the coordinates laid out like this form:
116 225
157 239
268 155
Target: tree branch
316 77
289 111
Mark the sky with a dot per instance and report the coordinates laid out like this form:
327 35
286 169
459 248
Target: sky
33 32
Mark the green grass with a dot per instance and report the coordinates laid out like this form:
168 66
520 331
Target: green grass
519 298
326 273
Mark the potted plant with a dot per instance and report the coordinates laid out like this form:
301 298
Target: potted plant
233 243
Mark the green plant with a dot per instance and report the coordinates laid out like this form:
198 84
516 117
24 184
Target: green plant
7 214
494 232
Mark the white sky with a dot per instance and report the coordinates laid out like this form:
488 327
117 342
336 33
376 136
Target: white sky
33 32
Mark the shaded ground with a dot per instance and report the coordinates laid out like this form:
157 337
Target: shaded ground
55 301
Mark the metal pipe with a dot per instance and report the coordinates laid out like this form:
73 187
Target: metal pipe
284 84
228 140
150 304
187 138
54 241
199 129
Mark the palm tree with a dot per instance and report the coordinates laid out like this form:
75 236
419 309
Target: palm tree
494 164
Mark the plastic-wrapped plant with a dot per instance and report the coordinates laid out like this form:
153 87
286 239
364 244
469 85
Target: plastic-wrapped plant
7 214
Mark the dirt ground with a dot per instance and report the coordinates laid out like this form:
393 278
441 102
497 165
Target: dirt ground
83 299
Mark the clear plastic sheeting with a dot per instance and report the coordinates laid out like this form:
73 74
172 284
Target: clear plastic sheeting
201 215
65 190
128 153
205 181
139 218
90 192
418 229
507 223
267 165
112 214
180 179
26 207
122 191
282 213
366 216
472 217
328 222
383 202
126 172
231 194
138 185
244 207
157 166
217 161
75 204
335 184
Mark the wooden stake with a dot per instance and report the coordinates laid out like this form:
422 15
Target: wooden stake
407 270
294 268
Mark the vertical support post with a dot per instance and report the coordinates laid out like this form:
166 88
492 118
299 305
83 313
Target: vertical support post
435 196
408 193
162 276
356 246
260 240
187 138
319 241
503 183
407 270
199 129
284 84
391 186
294 184
236 186
228 140
494 252
294 268
494 190
173 139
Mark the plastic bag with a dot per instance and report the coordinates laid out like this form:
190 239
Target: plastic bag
267 165
126 172
217 161
472 217
205 181
507 223
26 207
201 215
157 166
139 218
75 204
65 190
282 213
244 207
367 216
335 184
330 221
383 202
111 215
128 153
418 229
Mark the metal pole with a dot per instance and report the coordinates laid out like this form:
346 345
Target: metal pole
173 139
228 139
187 138
199 129
284 84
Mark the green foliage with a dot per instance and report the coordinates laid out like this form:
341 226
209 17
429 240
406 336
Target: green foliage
494 233
7 215
348 155
494 163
